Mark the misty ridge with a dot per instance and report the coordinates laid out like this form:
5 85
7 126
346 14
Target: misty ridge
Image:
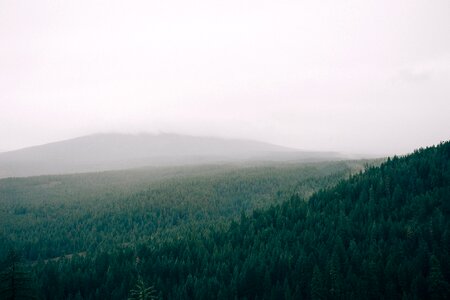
100 152
244 150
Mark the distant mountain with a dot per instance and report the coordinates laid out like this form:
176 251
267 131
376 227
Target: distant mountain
101 152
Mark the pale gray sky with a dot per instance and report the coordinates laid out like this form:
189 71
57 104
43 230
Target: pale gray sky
350 75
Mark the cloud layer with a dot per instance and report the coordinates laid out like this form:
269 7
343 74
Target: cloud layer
349 76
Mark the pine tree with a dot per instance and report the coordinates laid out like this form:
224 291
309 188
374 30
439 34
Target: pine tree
335 277
438 287
317 285
15 281
142 291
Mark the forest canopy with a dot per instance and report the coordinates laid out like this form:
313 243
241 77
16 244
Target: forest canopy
382 233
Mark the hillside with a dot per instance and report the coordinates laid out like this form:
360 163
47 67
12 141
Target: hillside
382 234
51 216
121 151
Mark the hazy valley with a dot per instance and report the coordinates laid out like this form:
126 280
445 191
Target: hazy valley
102 152
245 229
230 150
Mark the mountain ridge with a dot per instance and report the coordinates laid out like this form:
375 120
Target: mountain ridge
110 151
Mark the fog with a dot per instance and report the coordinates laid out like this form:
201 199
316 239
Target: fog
350 76
101 152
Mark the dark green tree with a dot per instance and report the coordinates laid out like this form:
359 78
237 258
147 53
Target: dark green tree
439 289
318 290
15 282
142 291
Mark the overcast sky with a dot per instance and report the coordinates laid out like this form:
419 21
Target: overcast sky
351 76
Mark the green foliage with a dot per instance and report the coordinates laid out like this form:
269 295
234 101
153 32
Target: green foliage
53 216
439 288
15 281
372 236
381 234
318 291
142 291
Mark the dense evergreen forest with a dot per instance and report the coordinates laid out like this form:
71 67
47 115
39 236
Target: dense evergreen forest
383 233
59 219
51 216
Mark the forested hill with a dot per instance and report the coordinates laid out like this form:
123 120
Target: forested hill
382 234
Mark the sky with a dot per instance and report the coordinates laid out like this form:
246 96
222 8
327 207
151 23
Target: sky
350 76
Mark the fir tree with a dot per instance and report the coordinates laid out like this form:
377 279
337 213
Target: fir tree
438 288
15 281
142 291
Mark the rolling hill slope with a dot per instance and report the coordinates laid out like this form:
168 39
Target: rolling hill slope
120 151
382 234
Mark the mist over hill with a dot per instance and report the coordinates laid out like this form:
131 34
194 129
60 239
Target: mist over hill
101 152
